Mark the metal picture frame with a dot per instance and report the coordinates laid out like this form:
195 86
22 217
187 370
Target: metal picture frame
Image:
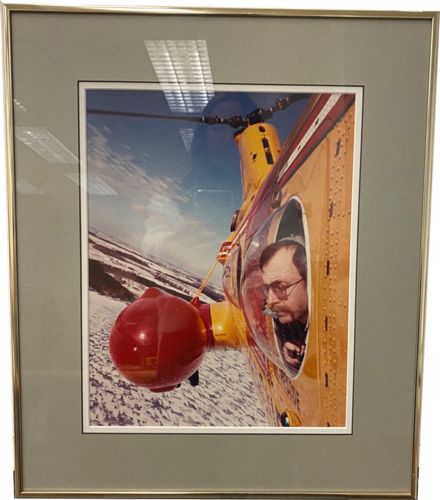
29 480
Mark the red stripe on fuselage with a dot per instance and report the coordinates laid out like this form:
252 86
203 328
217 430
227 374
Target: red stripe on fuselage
340 107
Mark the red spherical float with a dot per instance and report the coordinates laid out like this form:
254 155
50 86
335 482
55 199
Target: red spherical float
158 341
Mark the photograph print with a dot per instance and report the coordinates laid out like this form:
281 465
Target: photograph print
219 227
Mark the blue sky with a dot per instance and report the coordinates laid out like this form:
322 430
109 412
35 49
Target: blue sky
168 187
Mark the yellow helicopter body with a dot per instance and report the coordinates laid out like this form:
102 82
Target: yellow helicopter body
312 180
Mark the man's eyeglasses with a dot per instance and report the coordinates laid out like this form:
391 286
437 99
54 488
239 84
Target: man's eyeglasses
280 289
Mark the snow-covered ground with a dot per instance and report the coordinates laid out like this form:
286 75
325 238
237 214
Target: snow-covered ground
136 271
225 395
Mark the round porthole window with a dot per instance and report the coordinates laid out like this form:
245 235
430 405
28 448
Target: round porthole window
275 287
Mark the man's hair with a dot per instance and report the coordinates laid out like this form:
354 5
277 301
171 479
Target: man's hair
299 258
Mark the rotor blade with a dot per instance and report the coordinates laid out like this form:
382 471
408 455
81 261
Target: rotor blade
92 111
257 116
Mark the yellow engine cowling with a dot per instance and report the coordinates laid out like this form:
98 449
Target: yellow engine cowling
259 148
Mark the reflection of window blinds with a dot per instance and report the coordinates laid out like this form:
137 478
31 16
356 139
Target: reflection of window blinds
184 72
187 135
40 140
95 185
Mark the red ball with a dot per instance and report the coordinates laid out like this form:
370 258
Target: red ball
158 341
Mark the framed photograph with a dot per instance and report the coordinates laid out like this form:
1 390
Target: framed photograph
219 222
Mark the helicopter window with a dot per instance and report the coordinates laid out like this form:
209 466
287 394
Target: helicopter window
275 289
291 322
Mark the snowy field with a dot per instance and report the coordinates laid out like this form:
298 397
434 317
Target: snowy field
225 396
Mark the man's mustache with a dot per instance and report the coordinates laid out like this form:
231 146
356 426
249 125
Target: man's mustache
273 312
277 309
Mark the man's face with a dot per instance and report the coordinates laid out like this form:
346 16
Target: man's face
281 273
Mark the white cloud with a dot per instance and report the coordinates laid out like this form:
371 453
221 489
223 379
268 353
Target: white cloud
156 202
119 170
